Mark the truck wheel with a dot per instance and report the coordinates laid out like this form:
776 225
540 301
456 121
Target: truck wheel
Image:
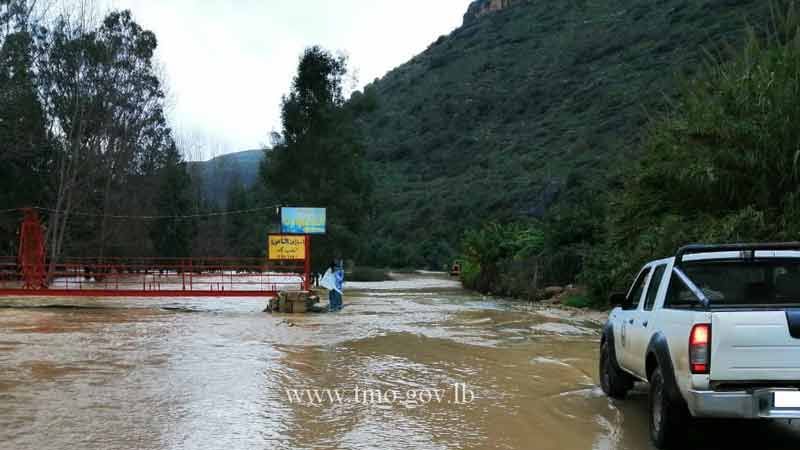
668 419
615 382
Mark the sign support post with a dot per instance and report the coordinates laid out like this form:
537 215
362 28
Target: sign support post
307 281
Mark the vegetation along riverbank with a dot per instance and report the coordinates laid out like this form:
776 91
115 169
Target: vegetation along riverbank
718 164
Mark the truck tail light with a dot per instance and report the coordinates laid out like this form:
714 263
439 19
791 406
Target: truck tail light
700 349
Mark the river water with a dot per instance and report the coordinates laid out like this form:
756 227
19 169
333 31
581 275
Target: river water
411 364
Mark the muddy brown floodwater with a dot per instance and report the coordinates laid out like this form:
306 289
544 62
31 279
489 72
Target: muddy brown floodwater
412 364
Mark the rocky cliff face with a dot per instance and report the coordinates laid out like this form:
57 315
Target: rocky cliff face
479 8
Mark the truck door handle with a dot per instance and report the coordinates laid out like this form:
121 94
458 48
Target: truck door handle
630 321
644 324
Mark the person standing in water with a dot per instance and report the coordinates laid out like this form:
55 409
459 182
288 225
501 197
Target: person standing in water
339 285
333 281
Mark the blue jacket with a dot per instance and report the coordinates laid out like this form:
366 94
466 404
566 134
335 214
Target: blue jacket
339 274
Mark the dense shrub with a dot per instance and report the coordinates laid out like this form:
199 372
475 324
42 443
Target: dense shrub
499 258
723 165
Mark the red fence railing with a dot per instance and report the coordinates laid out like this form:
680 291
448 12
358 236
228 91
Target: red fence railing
159 277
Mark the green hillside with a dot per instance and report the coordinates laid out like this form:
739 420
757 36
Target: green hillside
525 110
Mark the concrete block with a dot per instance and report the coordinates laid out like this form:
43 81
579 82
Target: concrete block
299 306
293 302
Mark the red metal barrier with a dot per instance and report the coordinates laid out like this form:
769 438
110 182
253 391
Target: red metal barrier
160 277
26 275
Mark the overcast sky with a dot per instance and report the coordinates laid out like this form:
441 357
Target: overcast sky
228 62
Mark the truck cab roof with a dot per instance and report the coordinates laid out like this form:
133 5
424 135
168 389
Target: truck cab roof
694 252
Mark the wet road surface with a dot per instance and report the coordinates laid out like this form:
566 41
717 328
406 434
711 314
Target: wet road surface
412 364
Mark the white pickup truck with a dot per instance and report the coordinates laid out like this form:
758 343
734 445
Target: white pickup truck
715 331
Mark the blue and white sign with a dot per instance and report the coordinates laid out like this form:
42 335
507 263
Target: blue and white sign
303 220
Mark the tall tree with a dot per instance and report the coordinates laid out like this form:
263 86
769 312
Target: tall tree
237 225
25 152
105 108
318 159
82 126
171 236
137 141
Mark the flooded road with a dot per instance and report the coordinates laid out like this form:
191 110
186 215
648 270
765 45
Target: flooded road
410 364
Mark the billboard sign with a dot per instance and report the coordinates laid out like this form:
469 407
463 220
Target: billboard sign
286 248
303 220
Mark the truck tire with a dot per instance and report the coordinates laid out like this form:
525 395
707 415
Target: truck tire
668 419
614 382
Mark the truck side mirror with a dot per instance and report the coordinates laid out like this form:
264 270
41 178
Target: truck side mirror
619 299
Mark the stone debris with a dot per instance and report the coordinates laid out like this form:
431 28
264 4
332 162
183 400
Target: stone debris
293 302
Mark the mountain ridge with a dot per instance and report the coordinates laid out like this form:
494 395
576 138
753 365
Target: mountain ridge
525 110
221 173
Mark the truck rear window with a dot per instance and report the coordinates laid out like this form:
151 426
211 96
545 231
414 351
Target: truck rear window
739 283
